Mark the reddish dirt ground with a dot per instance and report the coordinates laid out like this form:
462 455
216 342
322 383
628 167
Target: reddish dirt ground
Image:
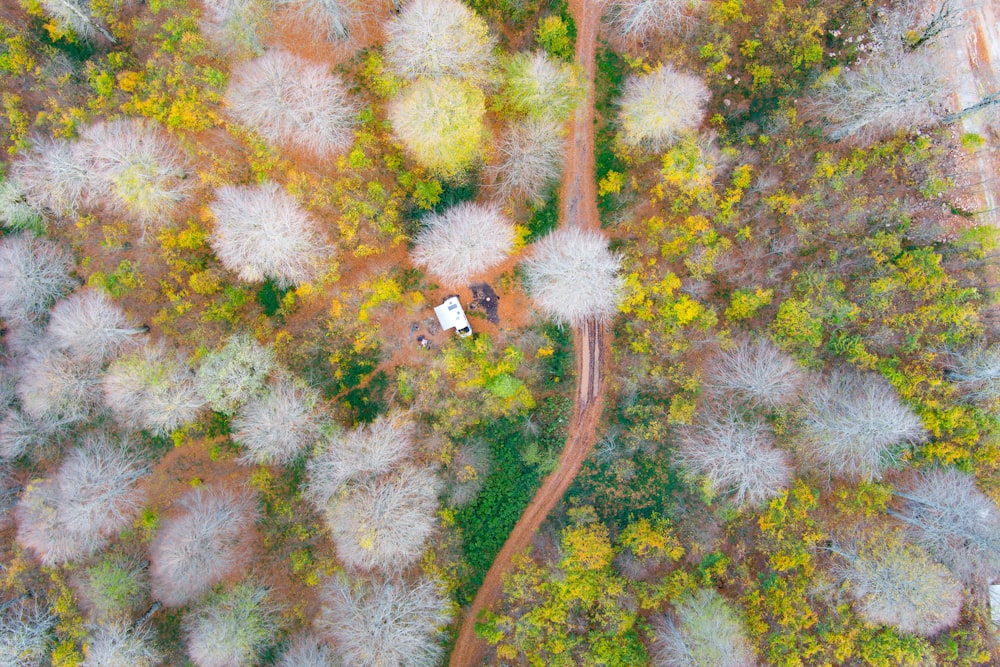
974 47
579 208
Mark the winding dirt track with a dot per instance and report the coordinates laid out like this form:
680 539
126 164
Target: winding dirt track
579 209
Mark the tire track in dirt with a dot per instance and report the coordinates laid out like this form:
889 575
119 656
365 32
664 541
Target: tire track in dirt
578 197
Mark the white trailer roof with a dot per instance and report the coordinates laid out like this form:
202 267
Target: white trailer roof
451 316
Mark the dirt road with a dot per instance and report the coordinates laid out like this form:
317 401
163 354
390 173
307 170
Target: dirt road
579 208
974 46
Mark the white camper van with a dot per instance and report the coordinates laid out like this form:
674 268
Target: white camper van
451 315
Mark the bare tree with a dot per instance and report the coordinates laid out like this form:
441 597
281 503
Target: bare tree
757 373
383 523
440 122
435 38
275 427
262 232
656 108
976 370
573 277
20 338
291 101
200 546
231 627
855 425
52 176
136 170
230 377
888 92
468 470
57 389
912 24
152 389
121 644
22 435
385 622
114 588
15 212
541 87
736 456
90 326
531 155
899 585
366 451
334 17
8 394
639 20
308 651
33 274
75 16
705 630
236 26
956 522
25 634
92 496
462 242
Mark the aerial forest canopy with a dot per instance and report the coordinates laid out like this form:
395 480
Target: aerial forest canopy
730 268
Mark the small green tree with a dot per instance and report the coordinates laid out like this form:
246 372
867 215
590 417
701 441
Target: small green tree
231 627
706 630
15 211
230 377
440 122
115 587
540 87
